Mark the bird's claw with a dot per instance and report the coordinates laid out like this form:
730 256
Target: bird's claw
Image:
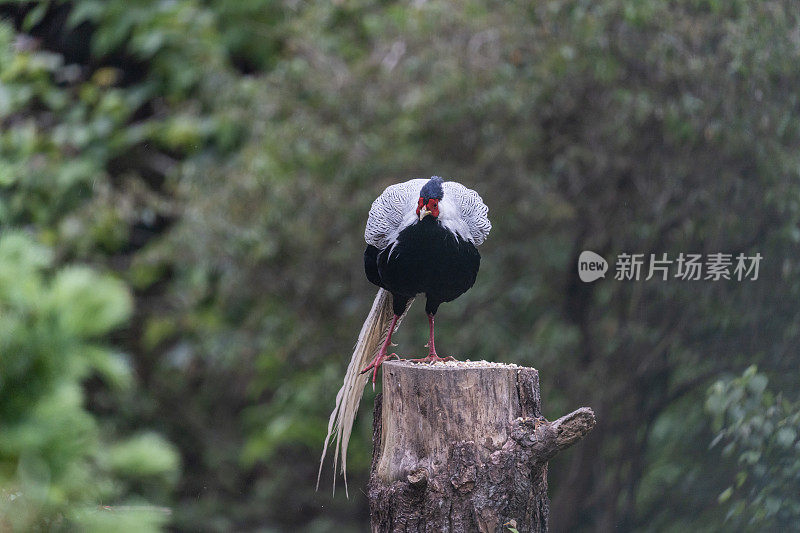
379 359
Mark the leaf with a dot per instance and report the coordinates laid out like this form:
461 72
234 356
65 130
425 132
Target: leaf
757 383
145 456
716 403
112 367
716 440
87 10
89 304
121 519
786 436
35 16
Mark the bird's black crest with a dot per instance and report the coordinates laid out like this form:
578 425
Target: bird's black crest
433 189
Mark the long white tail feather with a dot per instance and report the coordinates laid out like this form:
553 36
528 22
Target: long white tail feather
372 336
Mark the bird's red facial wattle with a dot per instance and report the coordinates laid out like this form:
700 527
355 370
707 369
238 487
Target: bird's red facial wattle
427 206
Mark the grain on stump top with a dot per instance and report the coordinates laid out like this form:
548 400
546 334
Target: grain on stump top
447 365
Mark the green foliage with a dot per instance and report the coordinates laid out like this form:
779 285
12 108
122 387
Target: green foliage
125 519
48 323
135 458
759 430
51 453
219 158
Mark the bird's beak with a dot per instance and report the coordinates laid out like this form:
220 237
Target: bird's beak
423 213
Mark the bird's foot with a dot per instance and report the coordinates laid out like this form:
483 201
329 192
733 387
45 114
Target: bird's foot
379 359
433 358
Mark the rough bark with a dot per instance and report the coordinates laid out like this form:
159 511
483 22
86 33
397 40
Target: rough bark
462 447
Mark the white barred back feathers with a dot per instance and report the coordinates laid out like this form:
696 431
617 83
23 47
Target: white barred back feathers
463 212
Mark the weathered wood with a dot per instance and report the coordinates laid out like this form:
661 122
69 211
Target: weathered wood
461 447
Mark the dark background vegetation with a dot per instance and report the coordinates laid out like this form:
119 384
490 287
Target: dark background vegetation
183 190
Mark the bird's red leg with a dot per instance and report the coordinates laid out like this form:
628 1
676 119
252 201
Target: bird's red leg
433 357
382 355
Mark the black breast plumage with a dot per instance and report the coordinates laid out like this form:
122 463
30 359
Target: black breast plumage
427 258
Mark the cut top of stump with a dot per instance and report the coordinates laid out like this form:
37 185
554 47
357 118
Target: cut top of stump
447 365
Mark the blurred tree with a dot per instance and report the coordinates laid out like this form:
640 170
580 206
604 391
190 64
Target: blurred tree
760 430
221 158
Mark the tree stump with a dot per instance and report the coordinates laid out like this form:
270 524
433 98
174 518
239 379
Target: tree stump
462 447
